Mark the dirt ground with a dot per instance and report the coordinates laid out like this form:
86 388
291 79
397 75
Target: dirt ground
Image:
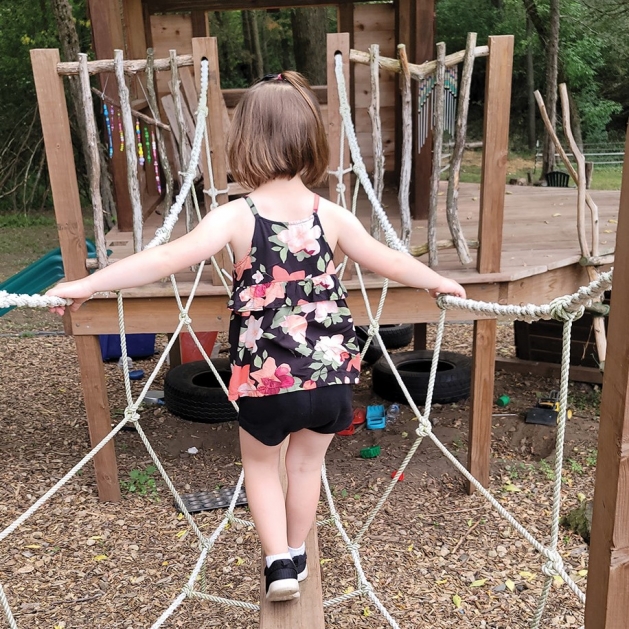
435 556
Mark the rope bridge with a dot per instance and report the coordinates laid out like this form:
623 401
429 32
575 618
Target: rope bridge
565 309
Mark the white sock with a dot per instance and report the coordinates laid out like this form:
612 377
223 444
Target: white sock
271 558
294 552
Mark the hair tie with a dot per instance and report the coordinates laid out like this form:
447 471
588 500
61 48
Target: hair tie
279 77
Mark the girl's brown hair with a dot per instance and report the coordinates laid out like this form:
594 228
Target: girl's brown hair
277 132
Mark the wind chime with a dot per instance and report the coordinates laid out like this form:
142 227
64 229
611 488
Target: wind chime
146 142
426 101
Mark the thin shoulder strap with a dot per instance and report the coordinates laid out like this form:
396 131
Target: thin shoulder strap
316 204
253 208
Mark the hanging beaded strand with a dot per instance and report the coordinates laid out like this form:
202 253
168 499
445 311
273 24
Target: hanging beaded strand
120 133
147 144
158 180
138 135
110 139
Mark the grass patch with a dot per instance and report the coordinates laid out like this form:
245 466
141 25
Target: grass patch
518 165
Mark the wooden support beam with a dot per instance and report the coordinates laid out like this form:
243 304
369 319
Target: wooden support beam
337 42
65 193
607 603
207 48
107 35
307 611
170 6
424 51
493 181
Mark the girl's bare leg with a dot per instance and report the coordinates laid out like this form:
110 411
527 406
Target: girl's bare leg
264 492
304 457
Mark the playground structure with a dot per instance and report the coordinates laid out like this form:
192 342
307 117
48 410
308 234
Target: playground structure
488 281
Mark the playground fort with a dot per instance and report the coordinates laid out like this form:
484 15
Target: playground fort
506 249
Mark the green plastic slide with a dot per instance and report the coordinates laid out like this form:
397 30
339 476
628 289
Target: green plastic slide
40 275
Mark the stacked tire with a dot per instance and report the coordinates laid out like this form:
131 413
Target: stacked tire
192 392
393 336
452 383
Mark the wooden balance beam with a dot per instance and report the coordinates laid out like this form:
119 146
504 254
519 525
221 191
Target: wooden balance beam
306 612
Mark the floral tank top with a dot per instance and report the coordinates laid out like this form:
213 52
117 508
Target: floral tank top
290 327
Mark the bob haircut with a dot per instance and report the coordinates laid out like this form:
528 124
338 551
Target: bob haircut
277 132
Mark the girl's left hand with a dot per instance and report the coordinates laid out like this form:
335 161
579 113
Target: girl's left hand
448 287
78 291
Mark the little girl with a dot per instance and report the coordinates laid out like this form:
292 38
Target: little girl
294 353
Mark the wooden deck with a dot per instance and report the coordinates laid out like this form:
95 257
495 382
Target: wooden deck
539 261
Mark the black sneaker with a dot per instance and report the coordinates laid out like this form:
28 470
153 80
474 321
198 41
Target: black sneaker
301 564
281 581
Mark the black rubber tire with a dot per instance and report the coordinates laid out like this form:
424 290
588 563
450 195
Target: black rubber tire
192 392
452 383
394 336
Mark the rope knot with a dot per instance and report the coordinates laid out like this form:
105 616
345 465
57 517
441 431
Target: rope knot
559 310
424 429
131 414
554 565
374 326
340 187
187 590
203 110
183 316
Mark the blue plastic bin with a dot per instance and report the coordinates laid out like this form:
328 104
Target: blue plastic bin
138 345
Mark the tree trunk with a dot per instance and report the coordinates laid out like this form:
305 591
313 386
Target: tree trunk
69 39
309 41
552 57
246 34
530 87
256 50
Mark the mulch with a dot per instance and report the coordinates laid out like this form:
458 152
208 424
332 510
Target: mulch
435 556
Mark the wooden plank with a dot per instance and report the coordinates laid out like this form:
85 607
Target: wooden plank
107 35
336 42
307 611
424 51
145 312
65 193
169 32
163 6
495 150
549 370
200 26
206 47
607 603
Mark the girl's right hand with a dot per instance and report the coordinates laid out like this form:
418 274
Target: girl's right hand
78 291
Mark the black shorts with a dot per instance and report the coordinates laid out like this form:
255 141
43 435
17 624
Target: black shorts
270 419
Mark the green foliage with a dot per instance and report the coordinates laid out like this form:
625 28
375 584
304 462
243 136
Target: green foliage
141 482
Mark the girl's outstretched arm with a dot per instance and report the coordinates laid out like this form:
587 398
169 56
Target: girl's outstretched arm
151 265
400 267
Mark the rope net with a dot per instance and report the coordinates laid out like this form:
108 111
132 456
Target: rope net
565 309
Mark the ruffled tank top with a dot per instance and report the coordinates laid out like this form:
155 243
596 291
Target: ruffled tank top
290 328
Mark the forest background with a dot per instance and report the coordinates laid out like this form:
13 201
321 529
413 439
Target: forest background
589 38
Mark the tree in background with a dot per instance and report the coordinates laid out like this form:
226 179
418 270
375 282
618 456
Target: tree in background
310 27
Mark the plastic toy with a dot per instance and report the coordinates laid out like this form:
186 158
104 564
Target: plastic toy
370 453
357 420
394 472
376 419
546 411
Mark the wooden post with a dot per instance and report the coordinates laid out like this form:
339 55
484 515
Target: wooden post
107 34
307 611
65 193
337 42
493 182
424 51
607 604
206 47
